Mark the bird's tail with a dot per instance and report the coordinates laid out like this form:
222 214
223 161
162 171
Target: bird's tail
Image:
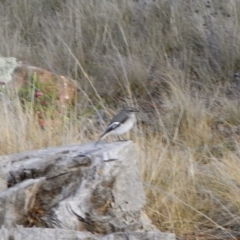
100 138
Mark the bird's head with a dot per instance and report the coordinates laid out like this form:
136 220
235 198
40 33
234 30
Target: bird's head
131 109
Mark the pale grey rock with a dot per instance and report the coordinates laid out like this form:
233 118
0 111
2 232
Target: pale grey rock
7 66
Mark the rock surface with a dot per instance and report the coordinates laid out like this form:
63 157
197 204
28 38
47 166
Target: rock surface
94 190
17 75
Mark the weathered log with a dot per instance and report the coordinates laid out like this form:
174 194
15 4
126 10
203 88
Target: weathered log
64 234
20 233
77 187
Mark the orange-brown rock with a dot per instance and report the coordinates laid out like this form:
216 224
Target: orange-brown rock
25 76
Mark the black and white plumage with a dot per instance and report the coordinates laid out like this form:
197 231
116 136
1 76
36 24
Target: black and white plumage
121 123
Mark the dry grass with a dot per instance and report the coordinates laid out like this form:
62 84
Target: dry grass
174 58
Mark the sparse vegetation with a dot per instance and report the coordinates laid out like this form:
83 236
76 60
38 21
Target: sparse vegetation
176 61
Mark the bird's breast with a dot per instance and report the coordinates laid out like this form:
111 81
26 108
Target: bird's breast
126 126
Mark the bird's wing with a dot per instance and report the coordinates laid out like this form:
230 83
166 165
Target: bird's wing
121 117
115 122
111 127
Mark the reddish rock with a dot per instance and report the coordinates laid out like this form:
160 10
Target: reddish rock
27 77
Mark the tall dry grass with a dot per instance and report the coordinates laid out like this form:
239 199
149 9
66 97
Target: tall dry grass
174 59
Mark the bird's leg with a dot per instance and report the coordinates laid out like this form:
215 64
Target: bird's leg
121 138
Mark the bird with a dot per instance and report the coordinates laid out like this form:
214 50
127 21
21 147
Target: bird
121 123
